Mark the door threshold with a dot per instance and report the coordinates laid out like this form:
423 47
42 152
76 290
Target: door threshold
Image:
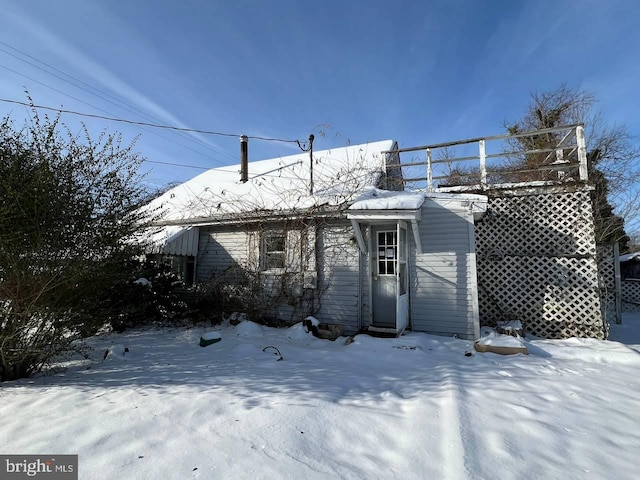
386 331
373 328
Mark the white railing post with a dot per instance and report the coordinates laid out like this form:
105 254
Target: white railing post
429 171
560 161
483 163
582 153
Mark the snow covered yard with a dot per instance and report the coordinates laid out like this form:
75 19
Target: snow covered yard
412 407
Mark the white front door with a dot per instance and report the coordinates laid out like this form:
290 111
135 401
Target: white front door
402 278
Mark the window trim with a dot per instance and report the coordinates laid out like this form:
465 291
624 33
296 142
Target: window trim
265 252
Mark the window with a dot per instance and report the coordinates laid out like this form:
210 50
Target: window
273 251
182 265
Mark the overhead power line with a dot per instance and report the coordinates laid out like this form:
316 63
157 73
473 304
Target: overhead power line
101 109
146 124
176 164
105 96
47 86
76 82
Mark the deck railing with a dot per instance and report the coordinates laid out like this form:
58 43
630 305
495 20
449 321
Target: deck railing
551 154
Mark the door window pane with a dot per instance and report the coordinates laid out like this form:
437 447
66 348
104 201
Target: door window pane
387 252
391 238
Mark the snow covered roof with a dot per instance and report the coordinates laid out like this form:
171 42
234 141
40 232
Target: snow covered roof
278 184
375 199
629 256
374 204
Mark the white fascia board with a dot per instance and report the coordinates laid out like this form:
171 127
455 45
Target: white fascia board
370 216
373 215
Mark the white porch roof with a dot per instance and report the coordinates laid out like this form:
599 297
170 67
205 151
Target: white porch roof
384 205
173 240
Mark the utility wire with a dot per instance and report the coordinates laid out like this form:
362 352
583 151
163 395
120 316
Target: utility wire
44 85
86 103
92 90
144 161
103 96
74 81
176 164
146 124
100 94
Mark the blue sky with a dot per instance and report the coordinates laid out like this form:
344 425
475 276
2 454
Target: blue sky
348 71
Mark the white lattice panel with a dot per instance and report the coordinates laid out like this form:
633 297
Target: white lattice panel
631 295
536 259
630 307
607 281
544 225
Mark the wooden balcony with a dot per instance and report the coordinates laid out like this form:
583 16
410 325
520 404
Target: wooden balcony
551 155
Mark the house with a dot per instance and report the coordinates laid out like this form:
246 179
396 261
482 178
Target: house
333 235
630 266
629 282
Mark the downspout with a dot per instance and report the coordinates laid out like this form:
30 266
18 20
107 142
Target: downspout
360 287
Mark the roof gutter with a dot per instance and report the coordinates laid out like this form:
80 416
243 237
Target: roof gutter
234 219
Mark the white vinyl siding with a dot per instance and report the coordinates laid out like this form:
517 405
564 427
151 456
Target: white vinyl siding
442 283
338 269
221 249
443 296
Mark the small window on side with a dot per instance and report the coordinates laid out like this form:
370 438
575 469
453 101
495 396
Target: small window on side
273 251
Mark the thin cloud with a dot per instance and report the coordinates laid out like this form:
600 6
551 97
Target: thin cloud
100 75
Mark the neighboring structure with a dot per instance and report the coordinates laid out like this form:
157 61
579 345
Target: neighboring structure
630 282
630 266
352 250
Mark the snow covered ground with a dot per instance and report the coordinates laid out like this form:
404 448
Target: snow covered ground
409 408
